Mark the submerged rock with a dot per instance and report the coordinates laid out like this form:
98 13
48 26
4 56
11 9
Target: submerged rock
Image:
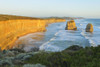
89 28
71 25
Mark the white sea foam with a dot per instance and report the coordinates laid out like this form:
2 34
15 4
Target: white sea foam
49 46
57 33
88 38
46 44
63 37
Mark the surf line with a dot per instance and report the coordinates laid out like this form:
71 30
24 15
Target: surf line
89 39
46 44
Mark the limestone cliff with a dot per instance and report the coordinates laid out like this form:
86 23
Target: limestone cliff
11 30
71 25
89 28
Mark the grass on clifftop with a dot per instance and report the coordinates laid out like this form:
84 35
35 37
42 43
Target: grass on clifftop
13 17
74 56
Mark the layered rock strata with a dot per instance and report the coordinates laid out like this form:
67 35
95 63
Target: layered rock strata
71 25
89 28
11 30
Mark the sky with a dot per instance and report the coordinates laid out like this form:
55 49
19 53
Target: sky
47 8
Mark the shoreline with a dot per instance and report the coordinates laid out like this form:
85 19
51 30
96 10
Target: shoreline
13 29
26 43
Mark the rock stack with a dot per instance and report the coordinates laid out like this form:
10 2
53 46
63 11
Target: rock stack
71 25
89 28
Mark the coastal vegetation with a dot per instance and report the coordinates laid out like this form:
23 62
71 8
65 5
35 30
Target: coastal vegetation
14 17
74 56
68 18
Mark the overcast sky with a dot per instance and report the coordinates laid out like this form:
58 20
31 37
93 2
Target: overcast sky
45 8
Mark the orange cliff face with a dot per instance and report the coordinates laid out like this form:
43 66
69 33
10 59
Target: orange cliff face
11 30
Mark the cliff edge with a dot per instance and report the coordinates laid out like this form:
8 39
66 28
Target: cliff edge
11 30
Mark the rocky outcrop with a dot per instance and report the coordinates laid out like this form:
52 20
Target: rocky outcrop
89 28
71 25
11 30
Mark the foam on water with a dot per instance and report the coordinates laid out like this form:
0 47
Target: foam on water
88 38
92 37
56 38
48 46
62 38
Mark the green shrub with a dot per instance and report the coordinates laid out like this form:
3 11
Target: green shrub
84 57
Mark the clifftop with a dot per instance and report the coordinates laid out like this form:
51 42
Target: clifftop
68 18
14 17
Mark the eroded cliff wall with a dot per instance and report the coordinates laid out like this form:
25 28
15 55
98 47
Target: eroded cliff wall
11 30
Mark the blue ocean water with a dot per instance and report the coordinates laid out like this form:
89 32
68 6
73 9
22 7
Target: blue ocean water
57 38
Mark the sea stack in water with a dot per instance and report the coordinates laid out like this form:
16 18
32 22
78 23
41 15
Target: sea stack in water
71 25
89 28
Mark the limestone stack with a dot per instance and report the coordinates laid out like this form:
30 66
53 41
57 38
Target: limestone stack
89 28
71 25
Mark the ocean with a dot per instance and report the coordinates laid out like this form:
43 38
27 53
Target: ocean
59 39
56 38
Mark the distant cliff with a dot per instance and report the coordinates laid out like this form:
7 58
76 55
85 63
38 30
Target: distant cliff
11 30
67 18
